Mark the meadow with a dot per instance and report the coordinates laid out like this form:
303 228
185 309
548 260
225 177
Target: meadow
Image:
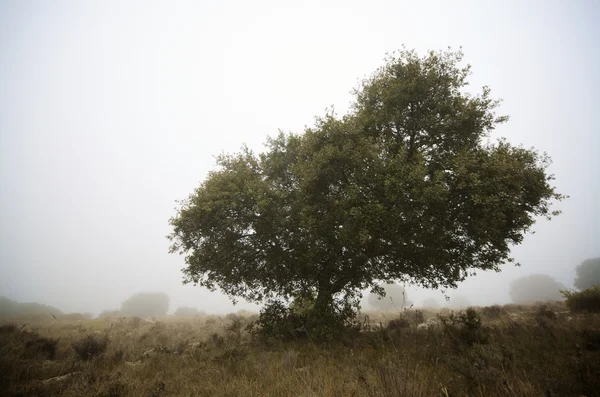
511 350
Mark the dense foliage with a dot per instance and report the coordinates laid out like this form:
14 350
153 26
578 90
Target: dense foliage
404 188
588 274
587 300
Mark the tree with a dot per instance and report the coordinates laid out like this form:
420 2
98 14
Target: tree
404 188
146 304
395 298
588 274
9 308
536 288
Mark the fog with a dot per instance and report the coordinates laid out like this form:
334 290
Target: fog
110 111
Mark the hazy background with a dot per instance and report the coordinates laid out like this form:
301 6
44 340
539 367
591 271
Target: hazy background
112 110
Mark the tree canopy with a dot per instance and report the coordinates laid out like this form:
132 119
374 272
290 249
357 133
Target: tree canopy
406 187
146 304
536 288
588 274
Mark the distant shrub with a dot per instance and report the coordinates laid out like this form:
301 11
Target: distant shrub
90 347
586 300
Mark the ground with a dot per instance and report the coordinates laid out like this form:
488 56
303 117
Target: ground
514 351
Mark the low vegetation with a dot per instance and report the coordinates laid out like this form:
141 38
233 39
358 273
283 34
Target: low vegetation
586 300
511 350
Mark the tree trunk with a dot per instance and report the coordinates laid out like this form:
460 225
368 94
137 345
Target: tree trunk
322 313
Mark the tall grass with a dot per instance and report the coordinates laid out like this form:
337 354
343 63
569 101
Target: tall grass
497 351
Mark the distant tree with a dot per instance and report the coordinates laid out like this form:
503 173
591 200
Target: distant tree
185 311
10 308
536 288
146 304
588 274
405 187
395 298
110 313
430 303
458 302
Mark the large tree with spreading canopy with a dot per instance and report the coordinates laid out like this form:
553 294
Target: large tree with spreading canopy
407 187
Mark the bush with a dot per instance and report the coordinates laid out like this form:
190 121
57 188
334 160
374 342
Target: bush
587 300
90 347
545 316
8 328
419 317
278 321
398 323
465 328
39 346
545 312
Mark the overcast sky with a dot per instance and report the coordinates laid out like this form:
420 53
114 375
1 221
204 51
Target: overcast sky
112 110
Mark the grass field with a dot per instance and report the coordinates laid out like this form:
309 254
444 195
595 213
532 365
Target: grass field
514 351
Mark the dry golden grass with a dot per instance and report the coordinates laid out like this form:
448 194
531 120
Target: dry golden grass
524 351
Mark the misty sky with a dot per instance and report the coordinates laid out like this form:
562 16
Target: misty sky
112 110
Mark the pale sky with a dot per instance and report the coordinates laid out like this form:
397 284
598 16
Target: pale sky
112 110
